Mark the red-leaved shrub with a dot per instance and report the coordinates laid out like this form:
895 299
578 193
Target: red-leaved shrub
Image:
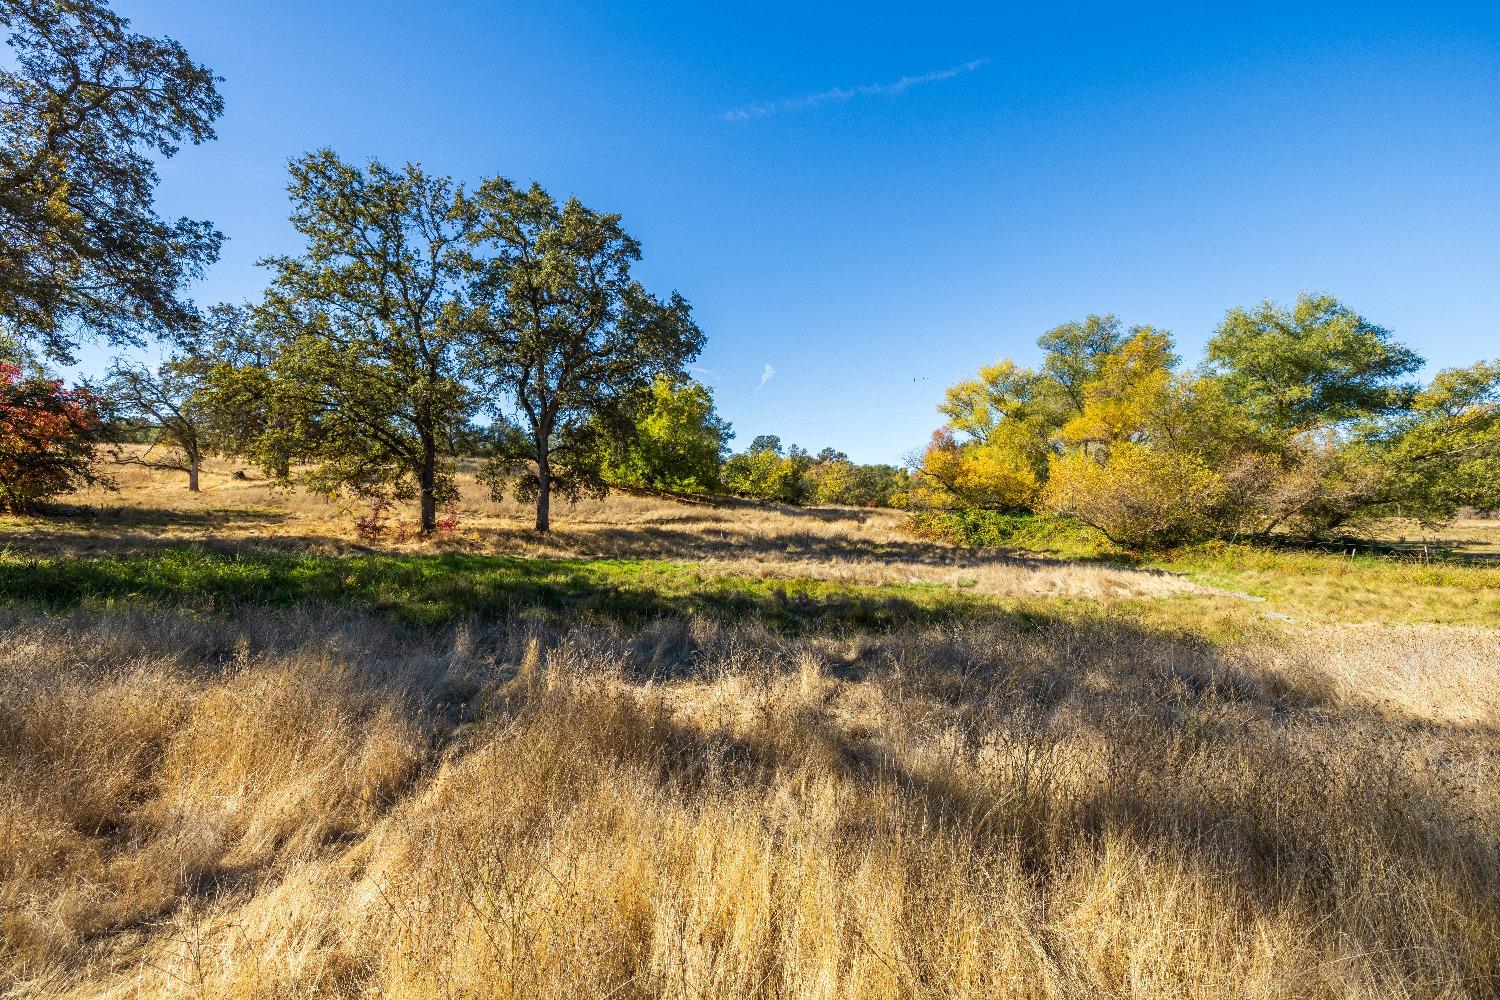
47 438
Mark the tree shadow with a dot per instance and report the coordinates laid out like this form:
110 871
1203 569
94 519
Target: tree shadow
94 540
692 533
94 517
1324 802
1448 551
437 590
828 515
705 539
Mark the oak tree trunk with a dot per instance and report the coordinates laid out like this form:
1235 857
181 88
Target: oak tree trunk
543 493
427 483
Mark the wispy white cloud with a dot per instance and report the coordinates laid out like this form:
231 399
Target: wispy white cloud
765 376
841 94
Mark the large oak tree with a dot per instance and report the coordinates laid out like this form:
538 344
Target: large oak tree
86 109
368 374
567 343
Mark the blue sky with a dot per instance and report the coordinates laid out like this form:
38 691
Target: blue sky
874 200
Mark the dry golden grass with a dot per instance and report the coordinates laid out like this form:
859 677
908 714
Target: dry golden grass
845 545
318 802
324 805
1432 673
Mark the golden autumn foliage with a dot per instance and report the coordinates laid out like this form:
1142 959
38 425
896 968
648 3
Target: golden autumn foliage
1295 422
1128 394
1138 496
991 474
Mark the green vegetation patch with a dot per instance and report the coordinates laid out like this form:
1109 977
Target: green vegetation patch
1305 584
1325 586
1032 532
430 590
433 589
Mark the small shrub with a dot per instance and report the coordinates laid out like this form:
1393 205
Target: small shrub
373 527
449 522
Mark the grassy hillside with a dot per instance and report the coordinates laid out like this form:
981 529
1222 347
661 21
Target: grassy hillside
729 751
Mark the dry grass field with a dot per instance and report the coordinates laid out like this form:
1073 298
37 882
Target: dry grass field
244 753
150 509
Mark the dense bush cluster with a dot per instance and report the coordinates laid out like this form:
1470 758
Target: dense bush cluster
766 471
1297 420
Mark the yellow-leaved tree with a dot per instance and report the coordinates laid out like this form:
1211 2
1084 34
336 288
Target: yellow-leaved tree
1136 462
989 475
1129 395
992 454
1297 421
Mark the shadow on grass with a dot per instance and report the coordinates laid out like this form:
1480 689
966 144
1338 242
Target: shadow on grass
697 533
440 589
1199 770
689 538
1283 797
131 516
831 515
1449 552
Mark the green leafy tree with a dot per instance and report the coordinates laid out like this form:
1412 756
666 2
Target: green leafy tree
1316 364
1074 351
86 110
833 481
568 342
791 475
883 485
1443 453
367 372
676 440
764 474
234 351
164 404
765 442
836 480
